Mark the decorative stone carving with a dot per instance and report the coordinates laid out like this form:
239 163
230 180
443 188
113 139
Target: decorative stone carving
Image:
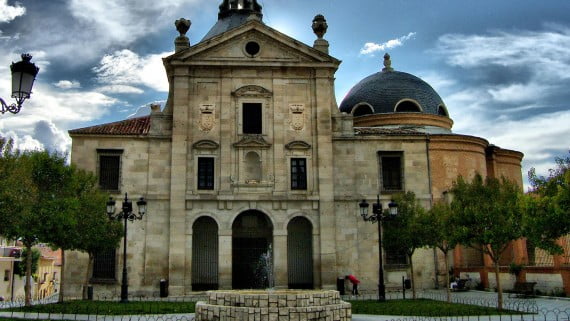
252 91
297 116
253 142
207 117
182 42
205 144
298 144
387 63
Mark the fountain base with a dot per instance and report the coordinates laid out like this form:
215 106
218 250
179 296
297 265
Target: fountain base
278 305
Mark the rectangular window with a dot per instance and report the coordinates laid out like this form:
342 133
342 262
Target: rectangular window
6 275
392 171
206 173
104 265
109 169
251 118
298 173
395 259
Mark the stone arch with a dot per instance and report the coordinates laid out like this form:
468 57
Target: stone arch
408 106
300 253
442 111
252 255
362 109
204 254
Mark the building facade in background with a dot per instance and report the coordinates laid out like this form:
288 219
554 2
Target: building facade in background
253 174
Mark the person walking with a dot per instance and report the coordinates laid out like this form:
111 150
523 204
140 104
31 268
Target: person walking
354 282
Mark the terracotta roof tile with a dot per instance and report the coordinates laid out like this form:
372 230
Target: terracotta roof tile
133 126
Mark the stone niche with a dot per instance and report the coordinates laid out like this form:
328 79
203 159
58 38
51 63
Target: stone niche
281 305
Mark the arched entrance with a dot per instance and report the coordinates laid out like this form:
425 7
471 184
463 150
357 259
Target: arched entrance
204 254
252 257
300 253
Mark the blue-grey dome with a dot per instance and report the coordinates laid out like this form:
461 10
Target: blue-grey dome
393 91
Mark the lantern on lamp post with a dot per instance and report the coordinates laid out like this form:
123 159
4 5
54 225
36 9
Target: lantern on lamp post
23 75
126 214
378 216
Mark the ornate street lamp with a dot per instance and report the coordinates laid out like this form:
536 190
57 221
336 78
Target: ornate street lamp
126 214
378 216
23 75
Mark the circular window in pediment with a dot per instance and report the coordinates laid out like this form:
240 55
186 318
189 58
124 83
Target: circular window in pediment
252 48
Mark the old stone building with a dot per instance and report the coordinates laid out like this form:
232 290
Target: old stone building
253 174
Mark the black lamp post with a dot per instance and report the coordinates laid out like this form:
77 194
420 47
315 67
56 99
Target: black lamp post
126 214
23 75
378 216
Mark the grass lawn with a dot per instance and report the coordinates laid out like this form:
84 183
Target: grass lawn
421 307
110 308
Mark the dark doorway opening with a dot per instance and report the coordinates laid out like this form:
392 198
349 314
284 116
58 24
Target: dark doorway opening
204 254
300 254
252 264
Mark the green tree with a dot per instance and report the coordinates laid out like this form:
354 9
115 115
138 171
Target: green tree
547 207
21 267
97 232
405 233
18 204
439 233
487 217
42 199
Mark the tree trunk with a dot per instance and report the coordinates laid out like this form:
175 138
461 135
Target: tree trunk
447 289
28 284
412 277
499 288
88 275
61 277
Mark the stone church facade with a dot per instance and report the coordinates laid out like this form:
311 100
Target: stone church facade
253 174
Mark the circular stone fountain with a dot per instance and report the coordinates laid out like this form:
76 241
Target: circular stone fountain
277 305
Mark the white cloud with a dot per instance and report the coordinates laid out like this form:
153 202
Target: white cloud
120 89
9 13
68 84
519 93
545 52
371 47
127 69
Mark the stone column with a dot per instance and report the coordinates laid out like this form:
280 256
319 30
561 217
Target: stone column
225 259
177 244
280 259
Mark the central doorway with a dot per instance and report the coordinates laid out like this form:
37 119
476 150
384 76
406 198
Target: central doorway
252 254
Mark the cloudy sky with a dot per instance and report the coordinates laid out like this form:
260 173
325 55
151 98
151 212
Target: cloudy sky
501 67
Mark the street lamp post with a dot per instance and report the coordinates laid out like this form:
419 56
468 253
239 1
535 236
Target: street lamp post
126 214
378 217
23 75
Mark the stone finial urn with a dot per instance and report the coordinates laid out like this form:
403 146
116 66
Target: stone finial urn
320 26
182 25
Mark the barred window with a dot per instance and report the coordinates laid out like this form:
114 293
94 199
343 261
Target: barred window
109 169
392 171
298 173
396 259
206 173
104 265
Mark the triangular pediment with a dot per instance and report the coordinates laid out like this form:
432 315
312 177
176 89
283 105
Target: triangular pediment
274 47
252 141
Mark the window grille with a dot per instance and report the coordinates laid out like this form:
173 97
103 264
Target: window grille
392 172
298 173
109 169
206 173
104 265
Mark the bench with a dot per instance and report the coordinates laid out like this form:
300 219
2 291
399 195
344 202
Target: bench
462 285
524 289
